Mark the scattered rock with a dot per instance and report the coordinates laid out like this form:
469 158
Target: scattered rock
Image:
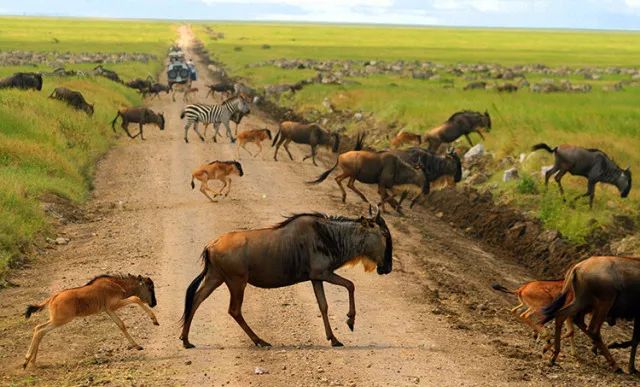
358 116
475 152
477 178
188 362
61 241
510 175
260 371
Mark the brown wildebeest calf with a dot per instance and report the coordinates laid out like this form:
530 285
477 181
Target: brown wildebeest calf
532 296
385 169
304 247
141 115
459 124
607 287
188 92
104 293
255 136
593 164
310 134
405 138
224 88
218 170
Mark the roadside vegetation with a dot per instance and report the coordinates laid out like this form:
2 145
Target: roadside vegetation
601 119
48 150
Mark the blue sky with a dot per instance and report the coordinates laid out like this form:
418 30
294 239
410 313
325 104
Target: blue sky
592 14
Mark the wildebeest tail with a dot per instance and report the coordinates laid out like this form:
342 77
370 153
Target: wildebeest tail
193 287
192 183
501 288
31 309
113 123
275 139
324 175
544 146
549 312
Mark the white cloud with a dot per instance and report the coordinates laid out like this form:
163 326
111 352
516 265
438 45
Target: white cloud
491 6
632 3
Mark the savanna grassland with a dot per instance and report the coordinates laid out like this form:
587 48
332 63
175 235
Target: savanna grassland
604 119
48 150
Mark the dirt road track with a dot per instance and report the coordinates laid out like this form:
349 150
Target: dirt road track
433 321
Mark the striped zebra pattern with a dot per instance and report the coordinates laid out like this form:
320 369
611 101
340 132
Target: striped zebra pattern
213 114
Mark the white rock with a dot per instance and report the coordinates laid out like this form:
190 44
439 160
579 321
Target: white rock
510 174
61 241
260 371
522 157
358 116
476 151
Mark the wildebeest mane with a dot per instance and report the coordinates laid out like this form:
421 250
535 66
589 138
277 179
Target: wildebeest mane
230 162
114 276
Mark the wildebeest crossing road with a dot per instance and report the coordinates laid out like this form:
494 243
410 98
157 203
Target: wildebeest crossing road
144 218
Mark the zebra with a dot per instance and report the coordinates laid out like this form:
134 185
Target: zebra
213 114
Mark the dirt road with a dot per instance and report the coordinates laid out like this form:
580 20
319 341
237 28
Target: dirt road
433 321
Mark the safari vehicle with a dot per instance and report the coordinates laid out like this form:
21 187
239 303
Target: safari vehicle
177 71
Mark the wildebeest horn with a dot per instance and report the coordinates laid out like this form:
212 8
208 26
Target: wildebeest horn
376 212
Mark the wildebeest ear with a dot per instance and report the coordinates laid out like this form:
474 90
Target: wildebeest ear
370 211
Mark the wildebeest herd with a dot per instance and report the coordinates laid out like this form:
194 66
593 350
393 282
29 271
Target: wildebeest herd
311 246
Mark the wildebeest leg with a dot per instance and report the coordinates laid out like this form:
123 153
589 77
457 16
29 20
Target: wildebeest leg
223 186
236 288
480 134
204 187
318 289
598 317
275 153
38 333
466 135
312 155
548 175
339 179
120 325
243 145
211 282
227 184
259 144
125 126
286 147
591 189
136 300
352 186
634 346
345 283
558 179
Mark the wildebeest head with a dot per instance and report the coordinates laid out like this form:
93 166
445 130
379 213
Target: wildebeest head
146 291
88 108
161 121
238 168
381 253
623 182
486 121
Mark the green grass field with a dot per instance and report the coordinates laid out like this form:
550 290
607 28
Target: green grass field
607 120
47 147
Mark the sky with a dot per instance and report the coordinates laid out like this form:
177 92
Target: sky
584 14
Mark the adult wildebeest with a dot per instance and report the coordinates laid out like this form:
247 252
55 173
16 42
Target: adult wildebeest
459 124
608 288
433 166
225 88
140 84
384 168
73 98
155 90
22 81
310 134
475 85
141 115
107 73
593 164
104 293
507 87
218 170
404 138
304 247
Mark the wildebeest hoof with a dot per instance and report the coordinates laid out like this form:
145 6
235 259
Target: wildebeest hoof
139 348
262 344
632 371
187 345
350 323
185 140
156 323
336 343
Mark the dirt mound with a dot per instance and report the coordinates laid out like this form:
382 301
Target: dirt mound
545 252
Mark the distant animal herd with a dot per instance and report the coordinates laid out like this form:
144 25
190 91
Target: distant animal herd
311 246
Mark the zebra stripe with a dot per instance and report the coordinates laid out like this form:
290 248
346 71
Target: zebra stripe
212 114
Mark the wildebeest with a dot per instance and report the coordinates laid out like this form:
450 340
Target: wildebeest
507 87
254 136
607 287
140 84
23 81
216 170
475 85
534 295
459 124
433 166
155 90
404 138
178 87
225 88
141 115
385 169
104 293
310 134
188 92
304 247
109 74
73 98
593 164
